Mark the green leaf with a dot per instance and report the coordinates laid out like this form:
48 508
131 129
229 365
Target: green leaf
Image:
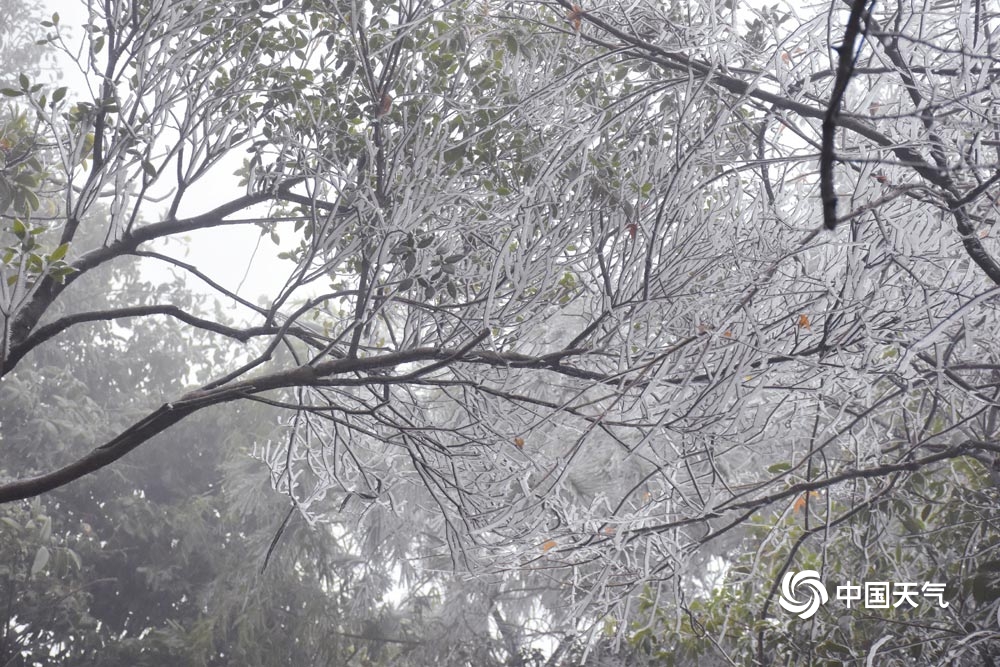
10 92
779 467
20 231
984 588
148 167
59 253
59 94
24 81
41 560
61 273
27 179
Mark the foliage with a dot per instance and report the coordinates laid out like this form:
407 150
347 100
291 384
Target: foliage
19 48
159 560
556 290
939 527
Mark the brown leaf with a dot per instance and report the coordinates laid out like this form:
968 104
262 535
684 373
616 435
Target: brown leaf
575 17
800 502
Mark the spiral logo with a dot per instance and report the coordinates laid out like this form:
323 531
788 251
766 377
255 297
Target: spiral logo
808 579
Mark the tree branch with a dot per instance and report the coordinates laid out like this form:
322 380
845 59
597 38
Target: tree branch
50 289
906 155
303 376
49 331
805 487
845 68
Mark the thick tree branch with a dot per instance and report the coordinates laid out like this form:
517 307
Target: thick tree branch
320 374
50 289
49 331
845 67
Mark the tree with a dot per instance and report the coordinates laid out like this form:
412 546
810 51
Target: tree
558 273
937 528
18 43
155 562
170 558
